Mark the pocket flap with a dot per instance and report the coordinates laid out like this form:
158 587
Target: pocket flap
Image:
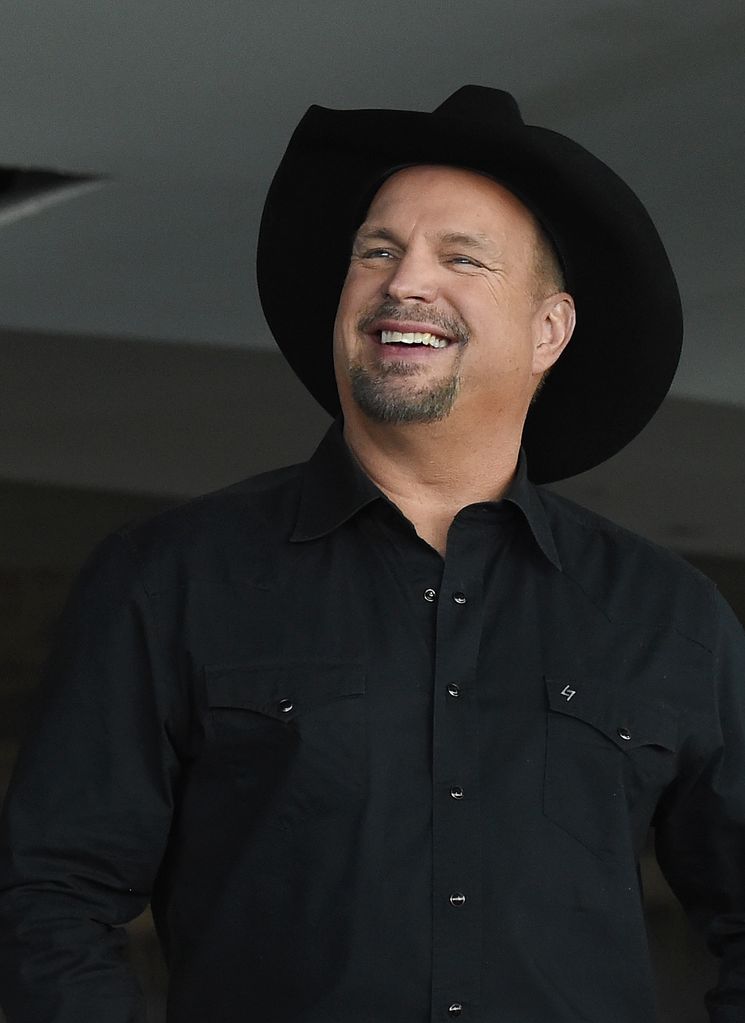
626 720
282 691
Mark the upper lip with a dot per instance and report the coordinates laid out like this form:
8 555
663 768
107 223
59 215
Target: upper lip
409 327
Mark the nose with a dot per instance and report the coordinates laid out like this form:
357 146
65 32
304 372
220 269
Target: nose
414 278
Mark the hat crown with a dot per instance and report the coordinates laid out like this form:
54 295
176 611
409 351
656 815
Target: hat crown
479 104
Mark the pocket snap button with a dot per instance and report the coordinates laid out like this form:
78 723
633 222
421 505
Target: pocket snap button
285 706
624 734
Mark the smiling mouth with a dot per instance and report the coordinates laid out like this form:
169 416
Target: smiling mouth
397 337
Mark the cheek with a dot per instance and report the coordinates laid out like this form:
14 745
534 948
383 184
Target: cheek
344 296
342 340
360 297
347 312
352 304
359 281
508 318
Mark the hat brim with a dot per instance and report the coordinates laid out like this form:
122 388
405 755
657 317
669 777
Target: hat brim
622 358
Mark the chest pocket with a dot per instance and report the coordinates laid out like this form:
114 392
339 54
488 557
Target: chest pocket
295 730
609 755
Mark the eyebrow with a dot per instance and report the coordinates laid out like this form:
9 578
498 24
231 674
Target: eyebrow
366 234
481 242
473 241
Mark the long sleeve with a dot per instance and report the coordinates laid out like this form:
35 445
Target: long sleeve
88 812
701 838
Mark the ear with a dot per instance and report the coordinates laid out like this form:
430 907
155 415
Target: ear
555 319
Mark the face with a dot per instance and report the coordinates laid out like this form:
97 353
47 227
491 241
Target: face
439 313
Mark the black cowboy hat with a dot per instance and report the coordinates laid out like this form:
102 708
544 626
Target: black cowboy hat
617 368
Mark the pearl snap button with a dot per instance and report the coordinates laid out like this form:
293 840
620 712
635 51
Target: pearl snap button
430 594
455 1009
285 706
459 598
457 899
624 734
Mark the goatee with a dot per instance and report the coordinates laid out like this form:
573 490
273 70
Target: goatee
378 397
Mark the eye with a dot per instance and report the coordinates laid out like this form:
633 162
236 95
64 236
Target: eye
463 261
377 254
361 251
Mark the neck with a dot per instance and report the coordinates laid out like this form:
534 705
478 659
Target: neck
431 471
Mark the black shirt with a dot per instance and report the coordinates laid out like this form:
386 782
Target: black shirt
363 784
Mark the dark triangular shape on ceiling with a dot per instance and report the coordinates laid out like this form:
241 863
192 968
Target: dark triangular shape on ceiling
25 191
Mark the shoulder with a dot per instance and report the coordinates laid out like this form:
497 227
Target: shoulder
629 577
229 531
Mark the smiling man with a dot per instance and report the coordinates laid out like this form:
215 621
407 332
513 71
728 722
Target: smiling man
381 736
421 286
447 316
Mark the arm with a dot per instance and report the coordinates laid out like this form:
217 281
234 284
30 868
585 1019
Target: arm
700 837
87 815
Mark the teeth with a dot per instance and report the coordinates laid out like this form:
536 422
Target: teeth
389 336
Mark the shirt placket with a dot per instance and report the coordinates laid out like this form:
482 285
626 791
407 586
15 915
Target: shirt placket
456 832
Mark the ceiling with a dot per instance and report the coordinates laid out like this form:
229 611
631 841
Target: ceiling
186 109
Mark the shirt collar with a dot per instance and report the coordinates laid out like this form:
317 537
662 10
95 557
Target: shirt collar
335 488
526 496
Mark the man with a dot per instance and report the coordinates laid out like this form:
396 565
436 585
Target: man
382 736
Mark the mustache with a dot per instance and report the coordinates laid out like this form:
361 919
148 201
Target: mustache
389 310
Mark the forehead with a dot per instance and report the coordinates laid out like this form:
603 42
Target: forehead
448 195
